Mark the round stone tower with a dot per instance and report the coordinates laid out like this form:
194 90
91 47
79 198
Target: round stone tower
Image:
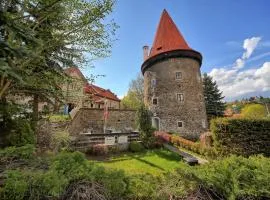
173 88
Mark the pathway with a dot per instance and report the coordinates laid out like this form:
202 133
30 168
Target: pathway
188 158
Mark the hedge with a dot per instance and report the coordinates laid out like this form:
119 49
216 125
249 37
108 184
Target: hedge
179 141
241 136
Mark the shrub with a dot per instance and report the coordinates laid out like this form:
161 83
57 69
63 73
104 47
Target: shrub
12 153
15 186
241 136
21 133
143 187
254 111
136 147
237 177
60 141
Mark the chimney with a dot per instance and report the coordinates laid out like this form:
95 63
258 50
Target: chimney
145 52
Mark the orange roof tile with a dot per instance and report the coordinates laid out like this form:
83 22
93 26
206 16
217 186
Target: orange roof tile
167 37
93 89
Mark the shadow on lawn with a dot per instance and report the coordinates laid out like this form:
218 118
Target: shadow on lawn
147 162
169 155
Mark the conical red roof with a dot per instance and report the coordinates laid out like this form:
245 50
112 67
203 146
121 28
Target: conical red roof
167 37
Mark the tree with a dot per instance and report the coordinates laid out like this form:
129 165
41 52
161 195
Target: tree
215 106
143 119
134 97
42 37
254 111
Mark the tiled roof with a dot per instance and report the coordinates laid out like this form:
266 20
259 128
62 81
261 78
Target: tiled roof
93 89
168 37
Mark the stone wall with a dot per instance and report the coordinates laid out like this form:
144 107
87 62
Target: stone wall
160 82
92 120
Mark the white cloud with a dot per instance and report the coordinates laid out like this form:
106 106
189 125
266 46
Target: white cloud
249 45
235 81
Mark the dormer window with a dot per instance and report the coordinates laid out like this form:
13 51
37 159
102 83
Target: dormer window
178 75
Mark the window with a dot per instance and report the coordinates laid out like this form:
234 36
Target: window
178 75
153 83
180 124
203 123
155 101
180 97
92 105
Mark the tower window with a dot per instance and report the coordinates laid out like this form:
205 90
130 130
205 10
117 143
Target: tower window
203 123
180 124
180 97
153 83
155 101
178 75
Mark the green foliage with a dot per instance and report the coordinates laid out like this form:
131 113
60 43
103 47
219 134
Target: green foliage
136 147
21 133
59 118
230 178
15 186
237 177
254 111
143 187
11 153
143 119
213 98
134 97
60 141
130 101
241 136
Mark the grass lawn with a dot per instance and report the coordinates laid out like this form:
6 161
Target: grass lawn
154 162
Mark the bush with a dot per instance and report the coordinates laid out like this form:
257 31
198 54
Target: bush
237 177
12 153
21 133
60 141
136 147
15 186
254 111
241 136
186 144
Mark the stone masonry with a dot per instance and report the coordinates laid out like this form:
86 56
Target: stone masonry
92 120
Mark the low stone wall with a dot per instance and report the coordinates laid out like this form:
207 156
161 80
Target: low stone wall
91 120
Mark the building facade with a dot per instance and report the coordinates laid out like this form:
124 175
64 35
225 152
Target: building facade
173 88
79 93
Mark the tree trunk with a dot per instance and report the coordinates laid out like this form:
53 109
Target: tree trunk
35 111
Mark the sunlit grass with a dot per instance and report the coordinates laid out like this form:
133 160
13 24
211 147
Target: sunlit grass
154 162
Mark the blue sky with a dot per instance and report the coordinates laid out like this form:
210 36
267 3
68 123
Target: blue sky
233 37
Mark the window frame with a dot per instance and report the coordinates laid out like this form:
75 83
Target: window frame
180 77
181 100
154 98
180 121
